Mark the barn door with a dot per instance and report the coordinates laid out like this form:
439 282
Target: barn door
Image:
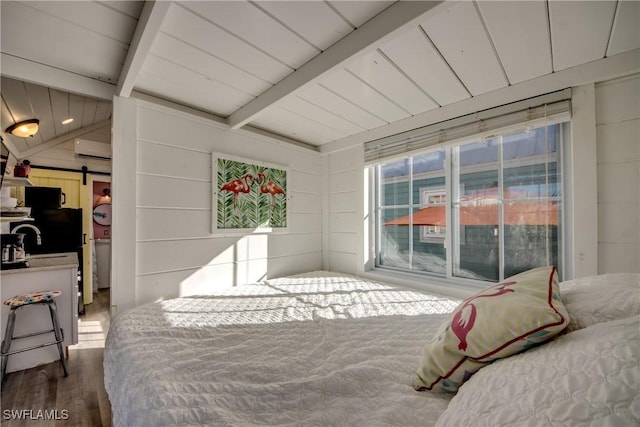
78 195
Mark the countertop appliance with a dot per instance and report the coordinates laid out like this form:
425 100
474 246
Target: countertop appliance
44 197
13 253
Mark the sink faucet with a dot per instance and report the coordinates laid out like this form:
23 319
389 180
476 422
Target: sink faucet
31 226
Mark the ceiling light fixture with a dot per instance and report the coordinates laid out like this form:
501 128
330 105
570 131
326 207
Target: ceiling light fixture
24 129
67 121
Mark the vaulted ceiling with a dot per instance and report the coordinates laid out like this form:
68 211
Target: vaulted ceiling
311 72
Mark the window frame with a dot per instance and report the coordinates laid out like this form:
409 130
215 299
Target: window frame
375 184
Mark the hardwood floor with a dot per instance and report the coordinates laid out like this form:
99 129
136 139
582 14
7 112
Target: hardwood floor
42 396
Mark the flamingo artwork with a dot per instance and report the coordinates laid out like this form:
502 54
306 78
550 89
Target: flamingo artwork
269 187
238 186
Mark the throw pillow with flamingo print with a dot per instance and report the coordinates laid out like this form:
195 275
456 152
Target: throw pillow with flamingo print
503 319
248 195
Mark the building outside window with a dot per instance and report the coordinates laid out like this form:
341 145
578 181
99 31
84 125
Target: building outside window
432 198
482 209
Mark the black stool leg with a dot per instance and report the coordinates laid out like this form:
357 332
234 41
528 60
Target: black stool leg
6 342
53 309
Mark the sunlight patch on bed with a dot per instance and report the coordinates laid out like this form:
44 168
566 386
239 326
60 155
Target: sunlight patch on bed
298 299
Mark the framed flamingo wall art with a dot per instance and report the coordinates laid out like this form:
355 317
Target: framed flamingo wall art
248 195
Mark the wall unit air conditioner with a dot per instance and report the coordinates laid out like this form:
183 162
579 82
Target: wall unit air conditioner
92 149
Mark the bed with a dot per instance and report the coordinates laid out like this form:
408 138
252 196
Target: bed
327 349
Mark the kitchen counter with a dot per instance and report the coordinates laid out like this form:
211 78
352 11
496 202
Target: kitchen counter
45 262
46 271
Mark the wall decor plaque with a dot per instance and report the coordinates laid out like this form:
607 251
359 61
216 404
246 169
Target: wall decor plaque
248 195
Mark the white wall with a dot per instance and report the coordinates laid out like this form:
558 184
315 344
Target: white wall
175 250
63 155
618 145
344 171
580 212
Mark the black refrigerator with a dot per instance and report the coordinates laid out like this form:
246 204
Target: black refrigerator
60 231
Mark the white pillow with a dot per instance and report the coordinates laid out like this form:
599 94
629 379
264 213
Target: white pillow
591 300
587 377
502 319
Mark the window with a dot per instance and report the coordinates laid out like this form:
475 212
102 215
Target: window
406 186
482 209
432 198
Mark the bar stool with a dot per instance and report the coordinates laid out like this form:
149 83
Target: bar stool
20 301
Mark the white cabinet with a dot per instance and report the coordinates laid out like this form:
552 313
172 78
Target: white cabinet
6 215
47 272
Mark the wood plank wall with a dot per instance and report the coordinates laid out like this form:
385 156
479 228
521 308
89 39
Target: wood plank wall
345 188
618 146
176 251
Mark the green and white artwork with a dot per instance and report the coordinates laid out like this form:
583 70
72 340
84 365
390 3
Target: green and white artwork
248 195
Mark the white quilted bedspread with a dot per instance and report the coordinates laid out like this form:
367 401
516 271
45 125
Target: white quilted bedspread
323 351
590 377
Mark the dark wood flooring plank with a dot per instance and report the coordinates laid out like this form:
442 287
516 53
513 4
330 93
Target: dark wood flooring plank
32 397
10 388
52 388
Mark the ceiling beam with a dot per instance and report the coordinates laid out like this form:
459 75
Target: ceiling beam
382 27
63 138
619 65
44 75
151 17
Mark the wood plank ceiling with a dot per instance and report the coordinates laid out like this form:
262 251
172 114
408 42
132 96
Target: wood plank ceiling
314 72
